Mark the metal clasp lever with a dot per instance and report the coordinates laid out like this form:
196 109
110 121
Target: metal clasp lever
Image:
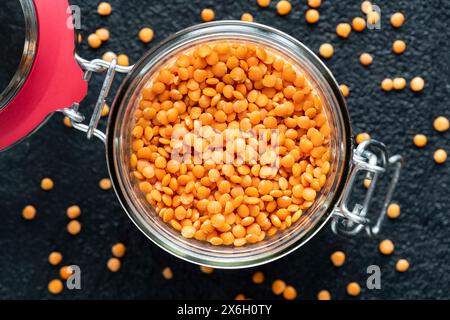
98 66
370 156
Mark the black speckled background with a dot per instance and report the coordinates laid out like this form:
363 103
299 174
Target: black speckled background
421 234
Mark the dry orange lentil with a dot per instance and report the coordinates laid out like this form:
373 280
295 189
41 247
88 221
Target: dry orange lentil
312 16
399 83
55 286
324 295
402 265
290 293
440 156
229 85
399 46
258 277
314 3
417 84
345 90
105 110
353 289
365 59
167 273
207 15
343 30
263 3
240 296
94 41
73 212
387 84
397 19
358 24
146 35
326 50
393 211
47 184
386 247
123 60
441 124
278 287
109 56
420 140
247 17
104 9
29 212
366 7
102 34
361 137
284 7
338 258
367 183
74 227
67 122
55 258
105 184
118 250
65 272
207 270
113 264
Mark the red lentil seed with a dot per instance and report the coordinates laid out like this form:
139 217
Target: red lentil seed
386 247
440 156
73 212
29 212
278 287
207 270
146 35
420 140
55 286
312 16
225 201
47 184
353 289
104 9
167 273
284 7
113 264
263 3
402 265
207 15
55 258
397 19
441 124
324 295
118 250
105 184
258 277
338 258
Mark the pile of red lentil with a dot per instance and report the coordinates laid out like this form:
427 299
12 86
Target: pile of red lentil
239 87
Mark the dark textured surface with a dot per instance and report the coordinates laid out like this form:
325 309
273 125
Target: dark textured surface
421 234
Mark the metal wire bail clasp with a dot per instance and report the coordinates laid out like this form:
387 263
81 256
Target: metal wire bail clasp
98 66
370 156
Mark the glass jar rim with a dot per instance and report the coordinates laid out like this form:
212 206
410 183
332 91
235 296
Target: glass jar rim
28 54
128 88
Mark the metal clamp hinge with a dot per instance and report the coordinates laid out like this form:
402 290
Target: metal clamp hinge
73 113
371 157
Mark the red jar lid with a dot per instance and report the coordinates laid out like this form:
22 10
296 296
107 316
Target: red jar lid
55 80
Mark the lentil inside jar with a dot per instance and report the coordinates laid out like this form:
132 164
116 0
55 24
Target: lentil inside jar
231 143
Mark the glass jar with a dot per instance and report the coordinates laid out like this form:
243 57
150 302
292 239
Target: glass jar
43 87
329 202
